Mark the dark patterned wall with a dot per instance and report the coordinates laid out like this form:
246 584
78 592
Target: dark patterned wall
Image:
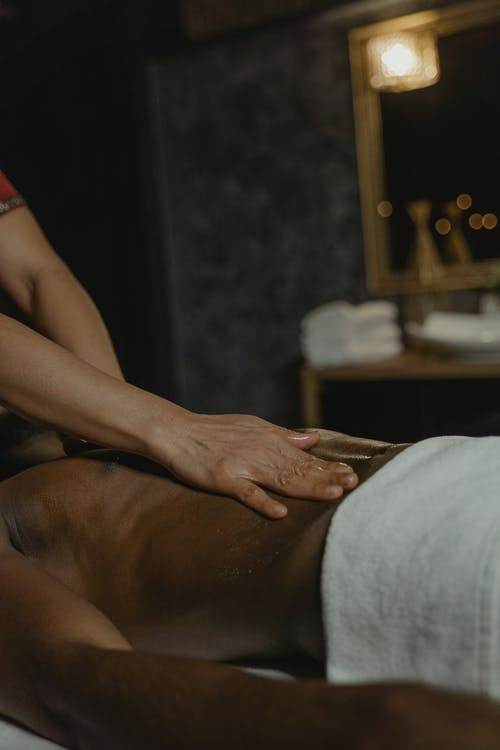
256 171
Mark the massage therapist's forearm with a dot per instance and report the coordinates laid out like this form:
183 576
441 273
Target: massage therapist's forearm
45 382
48 294
61 309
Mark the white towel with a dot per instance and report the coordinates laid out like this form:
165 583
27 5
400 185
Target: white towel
411 572
343 312
339 333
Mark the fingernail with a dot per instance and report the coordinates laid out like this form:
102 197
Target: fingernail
278 511
334 490
345 468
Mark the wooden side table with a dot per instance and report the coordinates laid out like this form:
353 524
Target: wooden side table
410 365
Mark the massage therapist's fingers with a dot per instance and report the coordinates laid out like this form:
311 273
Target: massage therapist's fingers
306 477
256 498
313 479
245 457
295 481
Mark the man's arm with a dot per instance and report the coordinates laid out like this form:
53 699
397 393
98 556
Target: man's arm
40 618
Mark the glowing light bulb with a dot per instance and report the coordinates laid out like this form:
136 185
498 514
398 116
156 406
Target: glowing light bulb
399 60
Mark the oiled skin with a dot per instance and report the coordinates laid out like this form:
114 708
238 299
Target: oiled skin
178 570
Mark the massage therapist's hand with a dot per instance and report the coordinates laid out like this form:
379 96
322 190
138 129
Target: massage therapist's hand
240 455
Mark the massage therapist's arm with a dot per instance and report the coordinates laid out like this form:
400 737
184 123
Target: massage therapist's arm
48 294
65 374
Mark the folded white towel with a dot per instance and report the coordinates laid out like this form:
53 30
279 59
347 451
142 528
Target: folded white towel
343 312
411 572
341 333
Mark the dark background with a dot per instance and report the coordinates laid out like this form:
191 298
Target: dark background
69 140
262 207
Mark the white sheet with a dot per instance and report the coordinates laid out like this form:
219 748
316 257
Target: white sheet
15 738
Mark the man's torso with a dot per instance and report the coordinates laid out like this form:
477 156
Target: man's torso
177 570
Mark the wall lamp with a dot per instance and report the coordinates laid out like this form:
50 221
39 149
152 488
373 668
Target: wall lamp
403 61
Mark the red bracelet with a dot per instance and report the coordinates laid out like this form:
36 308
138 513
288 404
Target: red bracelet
9 197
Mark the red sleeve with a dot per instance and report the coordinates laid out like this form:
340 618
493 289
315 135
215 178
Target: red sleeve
9 197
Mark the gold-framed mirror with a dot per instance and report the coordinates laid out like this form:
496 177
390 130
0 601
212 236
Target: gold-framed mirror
429 158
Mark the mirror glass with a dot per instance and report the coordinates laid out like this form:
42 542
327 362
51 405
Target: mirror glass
429 159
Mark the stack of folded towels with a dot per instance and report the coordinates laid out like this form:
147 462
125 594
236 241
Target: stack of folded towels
340 333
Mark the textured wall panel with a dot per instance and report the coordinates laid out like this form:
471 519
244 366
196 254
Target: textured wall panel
258 197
